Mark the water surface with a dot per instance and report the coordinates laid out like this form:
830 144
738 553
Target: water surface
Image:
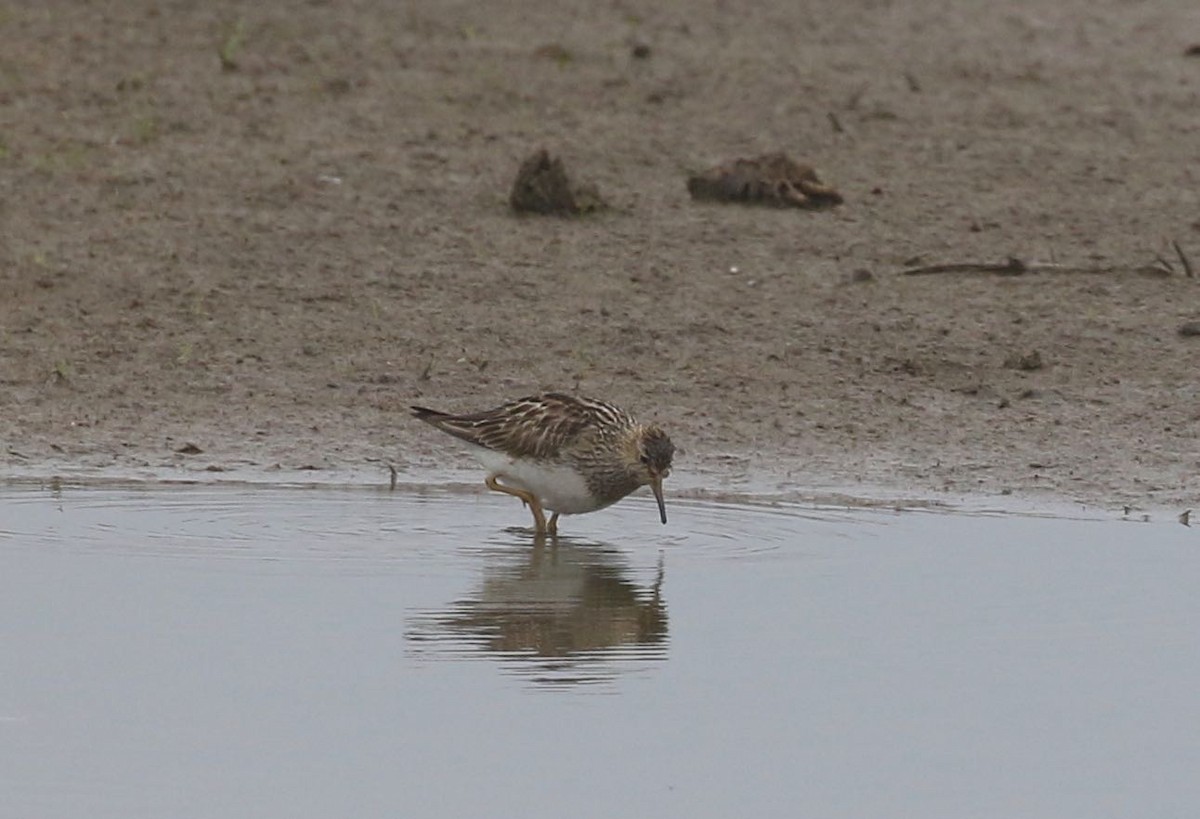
285 652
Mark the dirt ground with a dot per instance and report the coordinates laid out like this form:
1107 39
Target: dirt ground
266 229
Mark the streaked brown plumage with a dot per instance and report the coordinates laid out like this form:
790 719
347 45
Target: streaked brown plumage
563 453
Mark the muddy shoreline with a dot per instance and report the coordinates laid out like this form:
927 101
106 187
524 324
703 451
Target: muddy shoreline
243 242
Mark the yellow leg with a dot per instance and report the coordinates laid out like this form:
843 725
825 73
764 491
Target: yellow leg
552 526
539 518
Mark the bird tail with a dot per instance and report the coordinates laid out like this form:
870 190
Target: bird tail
460 426
428 415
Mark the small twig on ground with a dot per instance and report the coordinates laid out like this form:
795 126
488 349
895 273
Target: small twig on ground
1012 267
1183 260
836 123
1016 267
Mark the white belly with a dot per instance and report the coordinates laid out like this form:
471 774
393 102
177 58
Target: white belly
559 488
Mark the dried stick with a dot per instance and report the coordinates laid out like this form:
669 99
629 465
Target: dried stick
1016 267
1183 259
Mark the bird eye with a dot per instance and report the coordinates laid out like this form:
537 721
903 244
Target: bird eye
645 459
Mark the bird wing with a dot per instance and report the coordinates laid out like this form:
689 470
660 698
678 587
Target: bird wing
539 426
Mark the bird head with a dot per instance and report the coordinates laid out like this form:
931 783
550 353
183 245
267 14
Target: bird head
654 453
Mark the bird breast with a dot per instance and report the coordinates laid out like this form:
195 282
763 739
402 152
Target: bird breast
557 485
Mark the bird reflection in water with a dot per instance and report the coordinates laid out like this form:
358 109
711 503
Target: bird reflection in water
560 612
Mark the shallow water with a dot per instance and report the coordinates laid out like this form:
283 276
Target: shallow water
262 652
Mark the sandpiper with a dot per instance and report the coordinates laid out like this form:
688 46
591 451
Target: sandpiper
559 452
